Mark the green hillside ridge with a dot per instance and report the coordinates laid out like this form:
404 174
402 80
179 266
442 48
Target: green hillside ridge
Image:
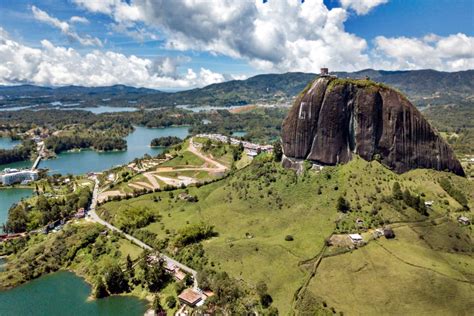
272 226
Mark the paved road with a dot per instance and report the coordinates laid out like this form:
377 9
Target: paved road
95 218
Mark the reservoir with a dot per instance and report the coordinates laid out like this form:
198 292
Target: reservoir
96 110
8 143
138 144
7 198
64 293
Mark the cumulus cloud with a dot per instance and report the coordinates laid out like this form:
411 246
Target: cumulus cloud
65 28
283 35
453 52
361 7
79 19
52 65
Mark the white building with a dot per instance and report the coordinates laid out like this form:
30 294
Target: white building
356 238
13 176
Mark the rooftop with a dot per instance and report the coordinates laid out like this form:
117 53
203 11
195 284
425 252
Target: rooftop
190 297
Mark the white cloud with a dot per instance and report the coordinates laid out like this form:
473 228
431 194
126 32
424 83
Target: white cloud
79 19
451 53
284 35
362 7
65 28
52 65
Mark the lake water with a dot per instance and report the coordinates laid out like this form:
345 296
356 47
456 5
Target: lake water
96 110
8 143
7 198
206 108
64 293
138 144
239 133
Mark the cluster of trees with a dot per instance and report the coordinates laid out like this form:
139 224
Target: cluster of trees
19 153
116 279
165 141
194 234
103 143
230 298
413 201
23 216
453 192
262 125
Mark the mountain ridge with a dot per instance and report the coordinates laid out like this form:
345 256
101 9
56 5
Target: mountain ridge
423 87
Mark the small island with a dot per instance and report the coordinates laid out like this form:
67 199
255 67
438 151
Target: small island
165 141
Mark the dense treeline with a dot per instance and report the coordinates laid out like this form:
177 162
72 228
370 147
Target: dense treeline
454 193
23 216
103 143
17 154
261 125
165 141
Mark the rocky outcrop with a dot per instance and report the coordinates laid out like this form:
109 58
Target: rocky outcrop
333 119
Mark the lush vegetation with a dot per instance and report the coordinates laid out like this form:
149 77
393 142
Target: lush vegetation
253 212
165 141
19 153
103 143
40 211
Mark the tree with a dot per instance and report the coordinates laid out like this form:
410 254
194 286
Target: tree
277 151
397 191
129 265
171 301
156 277
343 205
157 305
116 280
100 290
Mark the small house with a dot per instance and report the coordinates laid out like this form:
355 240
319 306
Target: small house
190 297
464 220
429 203
378 233
355 238
170 267
81 213
388 233
179 275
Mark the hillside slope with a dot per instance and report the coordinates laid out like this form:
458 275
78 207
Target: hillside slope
272 226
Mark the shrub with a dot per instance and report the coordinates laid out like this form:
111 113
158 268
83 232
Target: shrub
289 238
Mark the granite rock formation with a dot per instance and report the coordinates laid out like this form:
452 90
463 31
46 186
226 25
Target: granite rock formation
334 119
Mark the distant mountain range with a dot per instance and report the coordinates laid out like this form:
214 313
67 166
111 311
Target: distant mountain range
423 87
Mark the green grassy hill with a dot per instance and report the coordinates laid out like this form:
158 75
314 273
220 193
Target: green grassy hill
272 226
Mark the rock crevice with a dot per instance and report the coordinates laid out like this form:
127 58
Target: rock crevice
331 121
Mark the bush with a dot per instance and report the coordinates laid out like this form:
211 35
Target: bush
289 238
343 205
171 301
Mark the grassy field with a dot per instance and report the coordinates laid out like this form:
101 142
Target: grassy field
256 208
401 276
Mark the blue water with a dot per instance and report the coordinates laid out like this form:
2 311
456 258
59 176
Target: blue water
7 198
239 133
8 143
64 293
96 110
138 144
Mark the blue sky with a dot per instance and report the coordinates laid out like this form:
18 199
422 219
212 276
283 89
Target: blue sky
177 45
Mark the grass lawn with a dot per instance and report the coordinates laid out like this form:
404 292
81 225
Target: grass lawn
185 158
